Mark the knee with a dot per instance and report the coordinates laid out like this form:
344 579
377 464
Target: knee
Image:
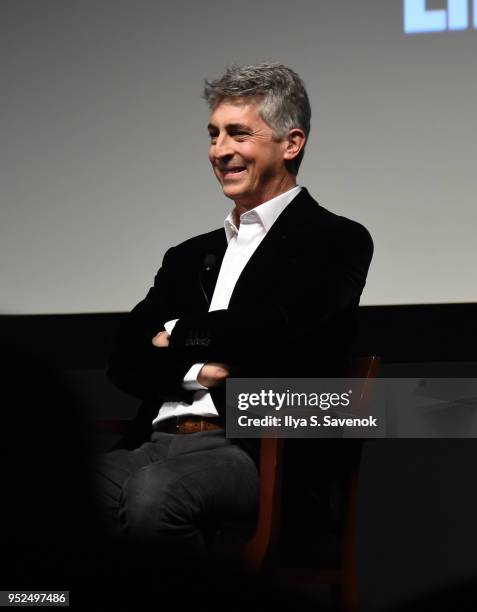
154 500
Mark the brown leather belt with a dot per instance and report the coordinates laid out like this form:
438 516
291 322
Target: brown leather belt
188 424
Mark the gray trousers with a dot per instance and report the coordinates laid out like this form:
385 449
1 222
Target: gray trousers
168 496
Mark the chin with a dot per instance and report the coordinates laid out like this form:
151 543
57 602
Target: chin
232 191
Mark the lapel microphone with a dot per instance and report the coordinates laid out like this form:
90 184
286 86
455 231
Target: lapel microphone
210 263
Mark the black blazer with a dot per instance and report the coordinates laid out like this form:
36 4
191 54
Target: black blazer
293 311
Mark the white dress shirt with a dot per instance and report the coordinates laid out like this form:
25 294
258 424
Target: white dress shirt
242 243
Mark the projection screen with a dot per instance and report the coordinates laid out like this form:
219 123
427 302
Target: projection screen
104 140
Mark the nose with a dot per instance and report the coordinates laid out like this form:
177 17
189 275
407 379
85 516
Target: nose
222 149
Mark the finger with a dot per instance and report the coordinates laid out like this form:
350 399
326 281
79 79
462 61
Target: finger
161 339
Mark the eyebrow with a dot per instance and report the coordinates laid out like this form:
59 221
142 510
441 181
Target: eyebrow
231 127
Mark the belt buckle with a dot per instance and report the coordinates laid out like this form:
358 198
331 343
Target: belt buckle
182 425
190 425
178 425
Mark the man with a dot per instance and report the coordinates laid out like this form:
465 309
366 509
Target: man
275 294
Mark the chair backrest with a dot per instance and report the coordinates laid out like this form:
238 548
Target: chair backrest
365 368
259 550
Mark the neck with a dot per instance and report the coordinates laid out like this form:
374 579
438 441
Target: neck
242 206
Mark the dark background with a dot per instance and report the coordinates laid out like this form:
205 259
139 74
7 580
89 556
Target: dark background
417 500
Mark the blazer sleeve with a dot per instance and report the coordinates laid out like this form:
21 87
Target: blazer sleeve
136 365
311 302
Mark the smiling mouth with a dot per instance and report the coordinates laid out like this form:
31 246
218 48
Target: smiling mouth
233 172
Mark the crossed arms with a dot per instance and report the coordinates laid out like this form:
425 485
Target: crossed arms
277 335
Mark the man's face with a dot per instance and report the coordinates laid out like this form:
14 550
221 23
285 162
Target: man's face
247 161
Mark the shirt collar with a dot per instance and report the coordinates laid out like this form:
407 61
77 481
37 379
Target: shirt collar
266 213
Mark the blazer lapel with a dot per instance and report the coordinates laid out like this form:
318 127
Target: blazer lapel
209 271
277 251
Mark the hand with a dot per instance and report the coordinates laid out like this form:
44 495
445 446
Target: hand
161 339
213 374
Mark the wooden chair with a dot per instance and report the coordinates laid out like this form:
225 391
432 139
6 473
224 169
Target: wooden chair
259 552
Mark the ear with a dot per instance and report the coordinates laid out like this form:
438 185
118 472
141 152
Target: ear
294 143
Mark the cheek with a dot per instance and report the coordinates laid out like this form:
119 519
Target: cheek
246 152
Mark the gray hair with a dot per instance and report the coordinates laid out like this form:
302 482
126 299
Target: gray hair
284 101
